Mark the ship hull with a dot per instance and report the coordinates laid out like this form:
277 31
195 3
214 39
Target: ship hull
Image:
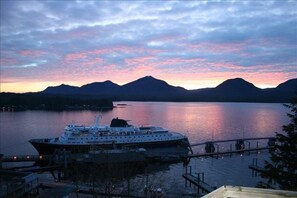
47 148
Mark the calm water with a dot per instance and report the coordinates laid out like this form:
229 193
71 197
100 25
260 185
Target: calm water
199 121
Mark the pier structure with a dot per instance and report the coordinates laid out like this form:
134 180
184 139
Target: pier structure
212 148
59 156
255 168
197 179
18 184
26 158
1 155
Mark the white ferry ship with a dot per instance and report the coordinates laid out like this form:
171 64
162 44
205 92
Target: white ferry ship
80 139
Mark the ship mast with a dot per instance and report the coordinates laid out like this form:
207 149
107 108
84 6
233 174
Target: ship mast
97 119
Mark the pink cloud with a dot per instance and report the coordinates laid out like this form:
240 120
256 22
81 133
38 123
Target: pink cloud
175 61
92 62
32 53
185 78
166 38
9 61
139 60
70 58
90 66
228 65
219 47
87 57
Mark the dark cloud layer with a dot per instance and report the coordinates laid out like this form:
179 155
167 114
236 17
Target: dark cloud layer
47 38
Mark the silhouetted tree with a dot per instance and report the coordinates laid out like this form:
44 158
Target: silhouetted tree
282 167
37 101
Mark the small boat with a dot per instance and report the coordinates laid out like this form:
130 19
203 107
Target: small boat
117 135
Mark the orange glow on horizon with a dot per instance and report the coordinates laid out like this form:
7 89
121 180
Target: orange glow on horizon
187 81
23 87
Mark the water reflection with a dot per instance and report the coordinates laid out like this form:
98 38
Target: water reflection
134 179
199 121
206 121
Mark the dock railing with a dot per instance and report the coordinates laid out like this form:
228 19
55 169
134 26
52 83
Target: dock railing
244 145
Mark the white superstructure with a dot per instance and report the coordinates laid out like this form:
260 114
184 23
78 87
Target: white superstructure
79 138
79 134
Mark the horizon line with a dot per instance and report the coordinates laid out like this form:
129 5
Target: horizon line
79 86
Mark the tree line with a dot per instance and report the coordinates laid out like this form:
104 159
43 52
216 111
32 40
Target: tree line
35 101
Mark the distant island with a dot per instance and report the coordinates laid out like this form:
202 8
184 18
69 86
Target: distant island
100 95
52 102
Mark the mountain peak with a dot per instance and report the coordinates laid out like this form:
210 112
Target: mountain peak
62 85
236 80
290 85
151 87
97 88
60 89
107 82
236 84
148 78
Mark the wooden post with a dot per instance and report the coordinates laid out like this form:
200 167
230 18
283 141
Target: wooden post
249 146
190 173
65 159
1 155
203 176
198 189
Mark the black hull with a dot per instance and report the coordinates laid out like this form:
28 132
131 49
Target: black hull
46 148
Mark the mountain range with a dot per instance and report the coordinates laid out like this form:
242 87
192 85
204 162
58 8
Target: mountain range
151 89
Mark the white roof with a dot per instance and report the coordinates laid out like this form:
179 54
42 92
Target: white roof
247 192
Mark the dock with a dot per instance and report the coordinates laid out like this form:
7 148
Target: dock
18 184
255 168
25 158
233 140
199 183
244 145
100 156
211 148
228 152
60 161
197 179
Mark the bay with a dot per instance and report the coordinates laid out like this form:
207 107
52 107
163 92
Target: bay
199 121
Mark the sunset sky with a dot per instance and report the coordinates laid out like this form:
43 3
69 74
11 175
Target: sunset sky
193 44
